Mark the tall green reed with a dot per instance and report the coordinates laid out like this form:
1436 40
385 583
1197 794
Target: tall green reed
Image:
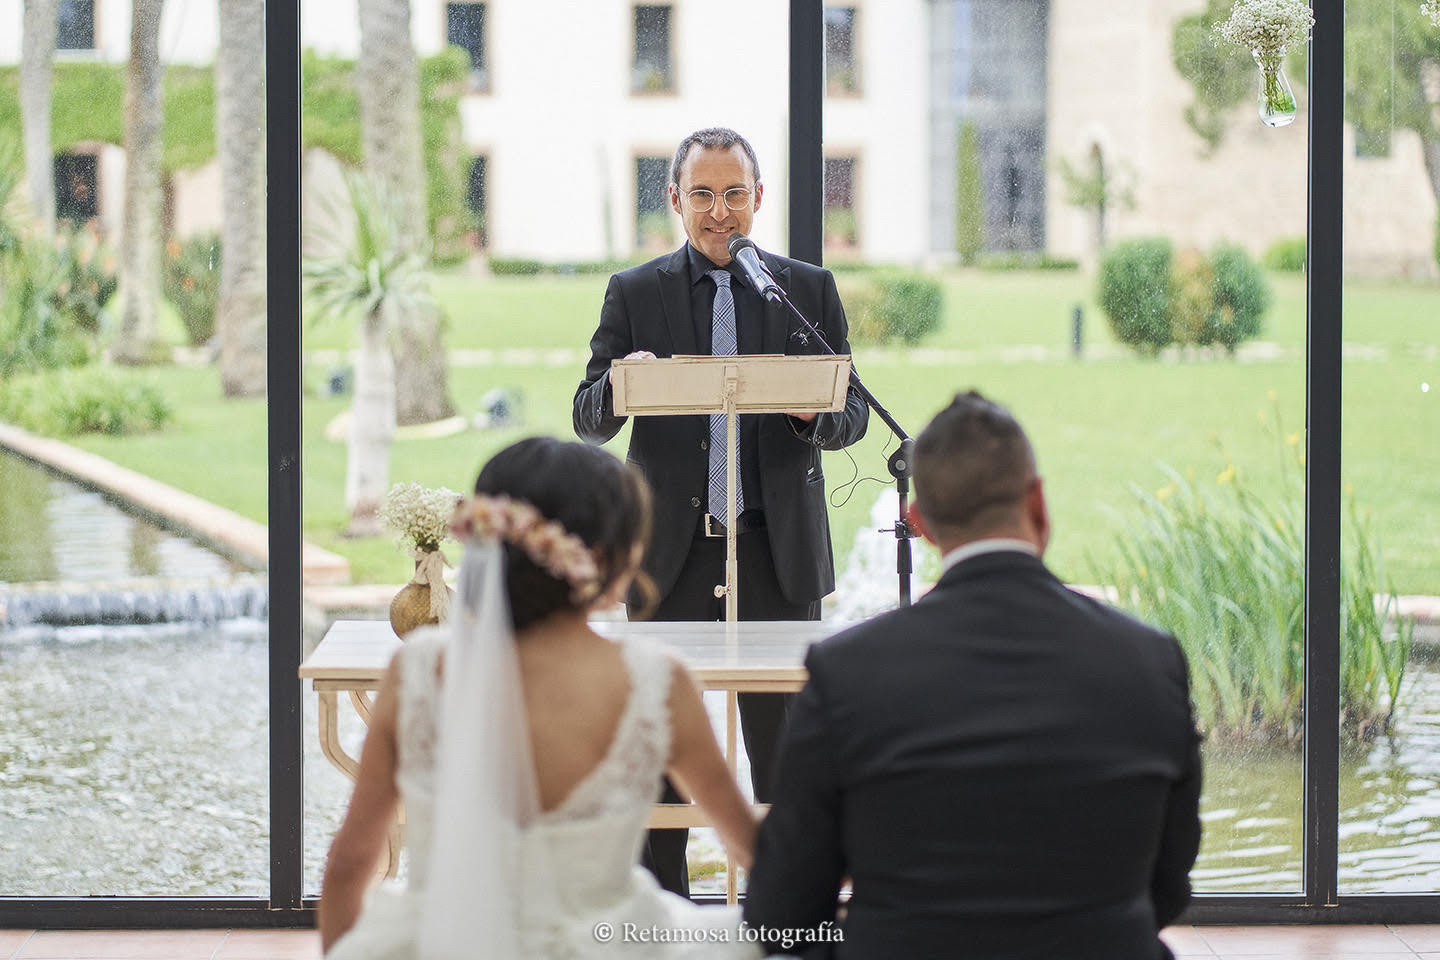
1222 568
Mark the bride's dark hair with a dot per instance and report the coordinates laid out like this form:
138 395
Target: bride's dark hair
589 492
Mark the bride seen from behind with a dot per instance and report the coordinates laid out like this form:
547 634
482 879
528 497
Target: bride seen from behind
528 749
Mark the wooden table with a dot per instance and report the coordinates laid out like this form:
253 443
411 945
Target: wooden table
752 657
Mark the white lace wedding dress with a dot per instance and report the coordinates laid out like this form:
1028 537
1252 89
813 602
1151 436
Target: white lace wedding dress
593 840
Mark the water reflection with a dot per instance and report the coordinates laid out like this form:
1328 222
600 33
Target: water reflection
51 529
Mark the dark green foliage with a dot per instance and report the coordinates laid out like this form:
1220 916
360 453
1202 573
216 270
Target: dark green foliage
1154 298
1135 288
886 305
515 267
1287 255
52 299
192 284
1239 297
91 399
969 201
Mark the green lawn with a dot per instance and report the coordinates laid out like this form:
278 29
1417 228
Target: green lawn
1099 425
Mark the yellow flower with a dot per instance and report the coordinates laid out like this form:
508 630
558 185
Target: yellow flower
1302 459
1294 438
1280 524
1261 415
1164 492
1349 489
1144 572
1271 395
1226 475
1190 472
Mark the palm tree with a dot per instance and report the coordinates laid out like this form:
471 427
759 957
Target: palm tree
140 227
239 106
37 54
388 85
374 277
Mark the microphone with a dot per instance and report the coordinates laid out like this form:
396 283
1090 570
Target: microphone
742 251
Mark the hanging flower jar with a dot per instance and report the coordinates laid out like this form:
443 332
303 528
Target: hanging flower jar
1276 101
421 518
1266 28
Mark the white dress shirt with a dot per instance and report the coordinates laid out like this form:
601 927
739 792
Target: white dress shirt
989 545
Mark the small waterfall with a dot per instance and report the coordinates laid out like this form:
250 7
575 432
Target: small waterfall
139 601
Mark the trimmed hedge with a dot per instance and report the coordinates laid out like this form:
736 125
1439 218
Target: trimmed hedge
91 399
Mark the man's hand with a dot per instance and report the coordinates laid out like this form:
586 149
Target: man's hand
802 417
637 355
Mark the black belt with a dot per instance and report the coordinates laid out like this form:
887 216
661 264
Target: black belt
748 522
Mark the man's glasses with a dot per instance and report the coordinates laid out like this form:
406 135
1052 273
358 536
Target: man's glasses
700 201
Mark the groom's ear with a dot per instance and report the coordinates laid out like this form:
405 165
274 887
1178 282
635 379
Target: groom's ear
916 521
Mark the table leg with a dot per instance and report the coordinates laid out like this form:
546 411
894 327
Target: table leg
732 712
334 752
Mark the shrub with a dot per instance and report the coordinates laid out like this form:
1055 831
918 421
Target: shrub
90 399
1222 568
1287 255
1154 297
38 330
515 267
87 278
1135 292
1239 298
192 284
887 305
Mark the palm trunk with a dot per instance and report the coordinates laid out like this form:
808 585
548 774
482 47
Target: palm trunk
240 99
140 227
387 79
36 61
372 426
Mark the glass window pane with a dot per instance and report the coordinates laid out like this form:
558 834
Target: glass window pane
133 593
652 73
465 28
842 61
1054 174
1389 682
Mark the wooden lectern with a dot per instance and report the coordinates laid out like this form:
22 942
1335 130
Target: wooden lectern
756 383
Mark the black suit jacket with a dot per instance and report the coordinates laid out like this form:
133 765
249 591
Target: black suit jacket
1005 769
648 308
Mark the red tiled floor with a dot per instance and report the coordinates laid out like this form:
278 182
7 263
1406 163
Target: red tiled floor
11 941
1318 942
1419 936
270 945
123 945
1186 942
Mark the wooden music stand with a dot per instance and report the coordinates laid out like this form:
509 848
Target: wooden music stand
757 383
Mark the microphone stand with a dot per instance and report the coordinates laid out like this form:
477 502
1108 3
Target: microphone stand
901 462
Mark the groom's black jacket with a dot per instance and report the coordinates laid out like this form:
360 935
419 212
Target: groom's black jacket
1007 769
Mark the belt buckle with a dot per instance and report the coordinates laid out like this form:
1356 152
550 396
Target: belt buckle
713 527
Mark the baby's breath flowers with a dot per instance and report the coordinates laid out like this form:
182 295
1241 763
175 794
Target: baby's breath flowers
1431 9
420 516
1267 27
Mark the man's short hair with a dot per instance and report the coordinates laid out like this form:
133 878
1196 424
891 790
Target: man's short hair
973 466
718 138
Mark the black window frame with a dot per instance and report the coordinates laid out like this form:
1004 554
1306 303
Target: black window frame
1320 901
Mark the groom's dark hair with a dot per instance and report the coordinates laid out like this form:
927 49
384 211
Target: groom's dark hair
589 492
973 465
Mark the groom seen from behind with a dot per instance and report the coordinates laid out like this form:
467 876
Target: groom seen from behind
1007 769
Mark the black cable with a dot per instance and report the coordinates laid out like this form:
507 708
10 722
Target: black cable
852 485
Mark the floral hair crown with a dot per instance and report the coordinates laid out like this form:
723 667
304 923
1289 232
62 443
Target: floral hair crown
548 544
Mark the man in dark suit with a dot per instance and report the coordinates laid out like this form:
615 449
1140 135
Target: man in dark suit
695 301
1006 768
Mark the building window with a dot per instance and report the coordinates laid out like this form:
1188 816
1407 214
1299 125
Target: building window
475 201
75 25
840 231
77 187
465 28
654 226
653 72
842 64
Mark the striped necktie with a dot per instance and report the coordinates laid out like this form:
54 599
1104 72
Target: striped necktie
723 343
